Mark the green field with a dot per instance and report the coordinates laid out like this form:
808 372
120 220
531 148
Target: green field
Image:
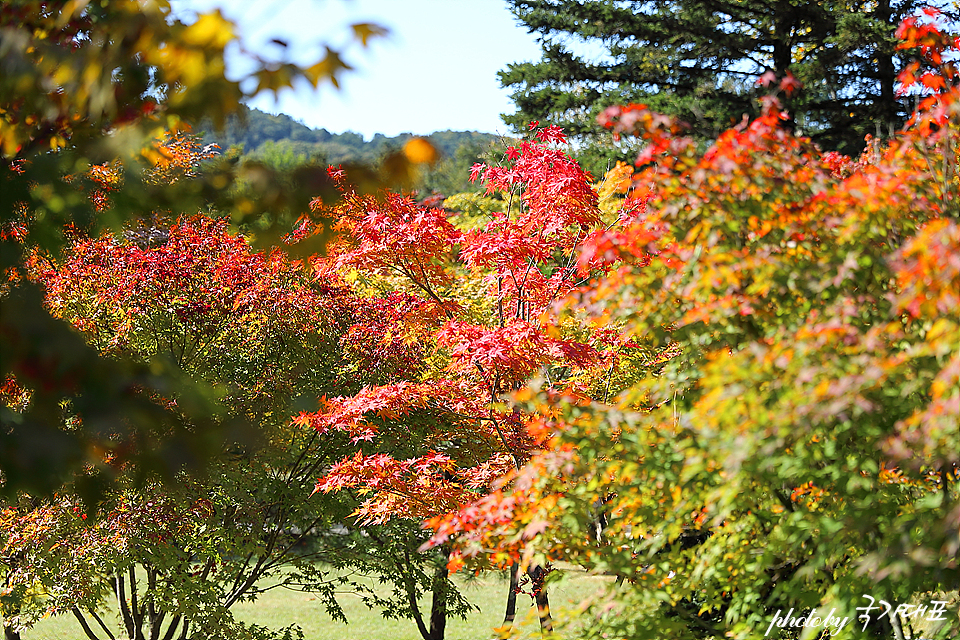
279 608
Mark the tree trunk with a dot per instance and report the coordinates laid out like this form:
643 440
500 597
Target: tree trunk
511 613
538 577
886 74
172 629
783 57
8 632
83 624
121 593
406 571
438 608
156 624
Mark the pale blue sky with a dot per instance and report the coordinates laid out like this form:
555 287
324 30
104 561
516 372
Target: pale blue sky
437 69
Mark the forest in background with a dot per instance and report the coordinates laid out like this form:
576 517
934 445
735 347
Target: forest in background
282 143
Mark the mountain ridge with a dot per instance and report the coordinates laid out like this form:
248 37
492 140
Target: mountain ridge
259 133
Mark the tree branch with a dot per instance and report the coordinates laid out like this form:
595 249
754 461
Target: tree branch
83 624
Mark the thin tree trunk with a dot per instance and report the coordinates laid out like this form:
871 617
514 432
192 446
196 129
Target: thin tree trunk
136 611
103 625
886 72
511 613
412 598
155 625
124 608
538 577
151 607
83 624
782 57
438 607
543 611
172 629
897 627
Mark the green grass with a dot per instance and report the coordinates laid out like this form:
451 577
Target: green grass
279 608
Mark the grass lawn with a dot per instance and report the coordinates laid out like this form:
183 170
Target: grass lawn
279 608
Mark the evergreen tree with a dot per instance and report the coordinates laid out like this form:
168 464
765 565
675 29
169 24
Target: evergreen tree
700 60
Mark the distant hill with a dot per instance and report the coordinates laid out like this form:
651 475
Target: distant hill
282 142
255 128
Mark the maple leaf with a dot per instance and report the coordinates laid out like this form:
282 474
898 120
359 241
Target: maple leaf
789 84
477 171
364 31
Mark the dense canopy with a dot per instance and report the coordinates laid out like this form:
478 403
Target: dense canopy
700 61
723 382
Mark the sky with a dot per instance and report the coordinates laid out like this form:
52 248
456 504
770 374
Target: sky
436 70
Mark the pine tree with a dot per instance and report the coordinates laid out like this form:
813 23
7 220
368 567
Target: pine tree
700 60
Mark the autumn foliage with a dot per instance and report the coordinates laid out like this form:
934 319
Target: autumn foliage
729 378
482 326
799 446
